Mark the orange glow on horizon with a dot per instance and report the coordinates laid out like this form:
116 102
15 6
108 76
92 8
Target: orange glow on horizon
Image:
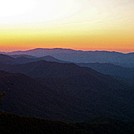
85 25
110 41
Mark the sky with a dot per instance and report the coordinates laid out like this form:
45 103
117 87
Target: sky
76 24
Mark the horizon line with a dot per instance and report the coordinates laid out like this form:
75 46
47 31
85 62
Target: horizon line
75 49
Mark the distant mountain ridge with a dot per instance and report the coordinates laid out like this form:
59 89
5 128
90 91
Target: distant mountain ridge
122 73
118 72
51 59
79 56
6 59
55 89
21 59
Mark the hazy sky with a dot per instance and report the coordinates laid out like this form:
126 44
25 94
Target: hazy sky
79 24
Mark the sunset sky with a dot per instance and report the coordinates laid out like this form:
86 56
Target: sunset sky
77 24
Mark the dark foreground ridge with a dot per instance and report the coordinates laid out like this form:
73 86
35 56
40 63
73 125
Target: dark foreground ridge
22 125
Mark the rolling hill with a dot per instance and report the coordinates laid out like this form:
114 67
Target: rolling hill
64 91
5 59
118 72
21 59
79 56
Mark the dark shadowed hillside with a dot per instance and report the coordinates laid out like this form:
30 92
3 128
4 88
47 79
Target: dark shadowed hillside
66 92
5 59
26 96
22 125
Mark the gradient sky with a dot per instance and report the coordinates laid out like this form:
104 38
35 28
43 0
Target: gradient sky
77 24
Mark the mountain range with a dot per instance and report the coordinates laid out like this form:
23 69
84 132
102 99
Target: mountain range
51 88
21 59
63 91
124 74
79 56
